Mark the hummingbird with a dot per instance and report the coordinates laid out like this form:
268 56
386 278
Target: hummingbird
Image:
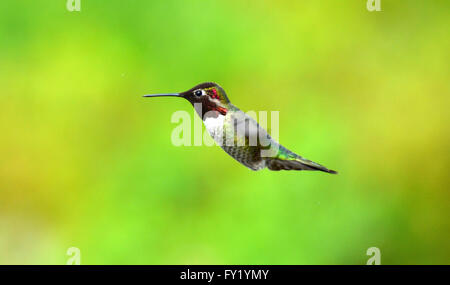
240 135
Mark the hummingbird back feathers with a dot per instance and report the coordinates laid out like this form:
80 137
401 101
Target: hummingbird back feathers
251 155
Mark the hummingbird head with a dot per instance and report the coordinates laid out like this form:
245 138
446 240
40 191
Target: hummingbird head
209 95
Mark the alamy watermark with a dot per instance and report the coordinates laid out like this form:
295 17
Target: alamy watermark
374 5
74 254
375 254
73 5
239 129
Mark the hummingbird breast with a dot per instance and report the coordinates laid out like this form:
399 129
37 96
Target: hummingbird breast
222 130
249 156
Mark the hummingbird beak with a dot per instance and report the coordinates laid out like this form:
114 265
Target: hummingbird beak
164 95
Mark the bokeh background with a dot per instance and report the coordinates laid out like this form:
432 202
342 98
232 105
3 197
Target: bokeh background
86 162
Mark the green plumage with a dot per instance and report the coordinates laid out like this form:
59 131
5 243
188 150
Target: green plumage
251 155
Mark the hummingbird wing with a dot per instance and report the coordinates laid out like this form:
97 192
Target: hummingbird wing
248 131
241 139
257 140
250 144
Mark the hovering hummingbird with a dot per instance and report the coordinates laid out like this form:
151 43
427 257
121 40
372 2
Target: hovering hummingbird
222 119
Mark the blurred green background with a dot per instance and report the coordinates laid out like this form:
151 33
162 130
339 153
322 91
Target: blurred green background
86 162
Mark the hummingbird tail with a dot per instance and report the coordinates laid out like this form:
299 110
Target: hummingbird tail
297 163
287 160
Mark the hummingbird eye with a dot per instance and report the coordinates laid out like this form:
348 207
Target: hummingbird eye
199 92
